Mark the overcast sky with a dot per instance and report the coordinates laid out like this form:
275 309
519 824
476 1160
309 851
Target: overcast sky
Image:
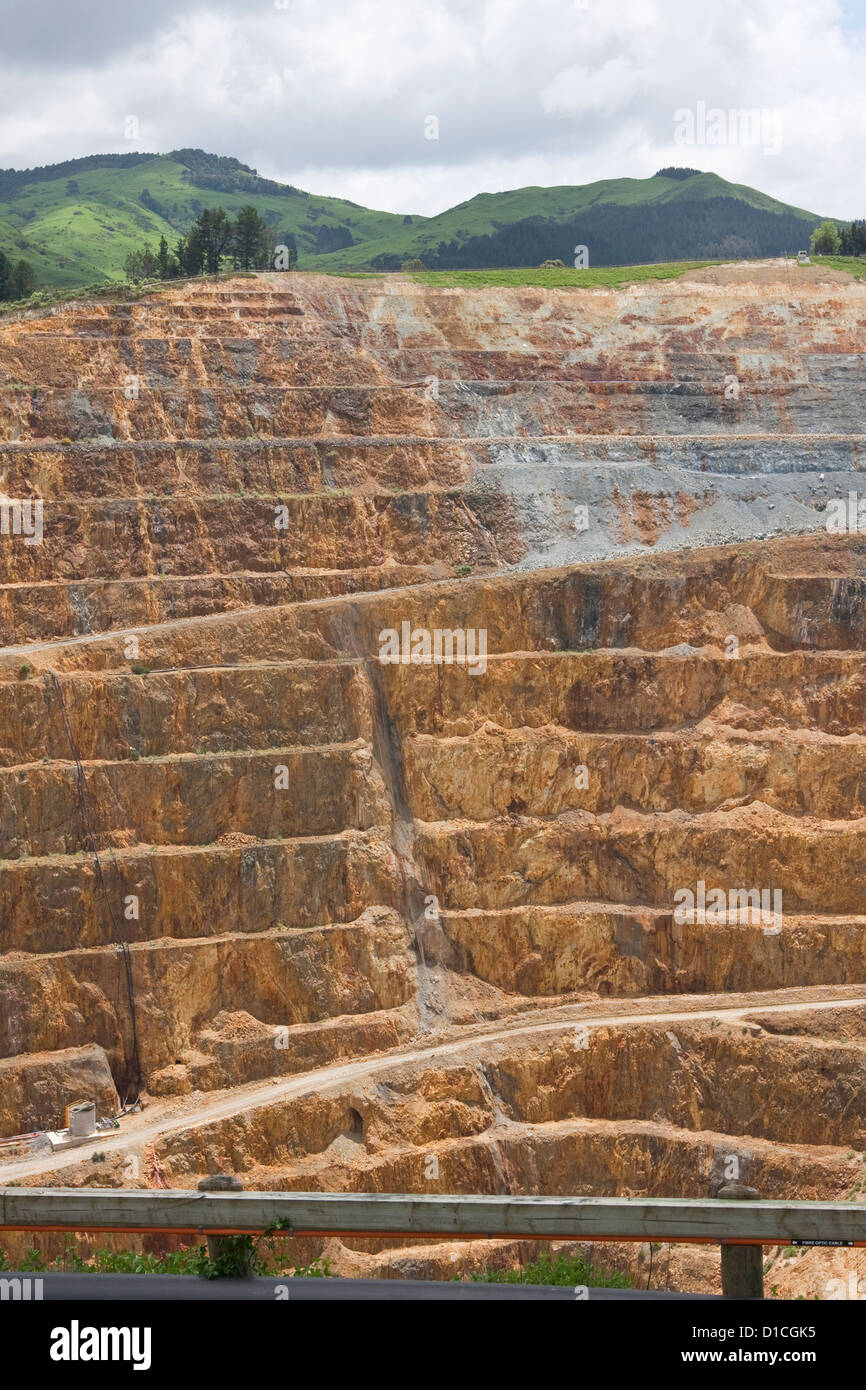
335 95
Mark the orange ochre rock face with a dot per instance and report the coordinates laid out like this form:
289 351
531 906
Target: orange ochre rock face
438 717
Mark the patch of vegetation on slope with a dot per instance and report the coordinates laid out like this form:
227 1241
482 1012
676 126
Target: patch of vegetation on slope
574 1271
554 277
854 265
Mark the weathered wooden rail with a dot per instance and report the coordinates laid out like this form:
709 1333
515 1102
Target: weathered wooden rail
739 1227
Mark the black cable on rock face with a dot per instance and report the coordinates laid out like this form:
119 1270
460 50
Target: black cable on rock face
122 944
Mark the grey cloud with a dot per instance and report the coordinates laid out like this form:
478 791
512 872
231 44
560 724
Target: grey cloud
62 33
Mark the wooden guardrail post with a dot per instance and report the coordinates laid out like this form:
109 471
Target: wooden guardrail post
742 1265
233 1255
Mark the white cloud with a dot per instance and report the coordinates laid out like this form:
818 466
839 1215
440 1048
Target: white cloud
333 97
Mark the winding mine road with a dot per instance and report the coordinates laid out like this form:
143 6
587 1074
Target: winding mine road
202 1109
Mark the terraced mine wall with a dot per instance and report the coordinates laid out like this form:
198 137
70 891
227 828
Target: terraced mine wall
433 906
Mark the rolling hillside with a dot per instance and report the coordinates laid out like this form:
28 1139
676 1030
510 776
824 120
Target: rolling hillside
76 222
623 221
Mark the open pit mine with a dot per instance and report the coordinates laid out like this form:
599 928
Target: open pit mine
432 747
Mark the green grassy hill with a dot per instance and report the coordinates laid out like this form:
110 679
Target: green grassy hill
622 221
76 222
79 225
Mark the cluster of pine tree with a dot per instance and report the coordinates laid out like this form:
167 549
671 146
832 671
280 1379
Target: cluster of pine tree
852 239
832 240
703 229
16 281
213 239
228 175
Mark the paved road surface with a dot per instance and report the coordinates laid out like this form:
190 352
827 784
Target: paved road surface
174 1288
